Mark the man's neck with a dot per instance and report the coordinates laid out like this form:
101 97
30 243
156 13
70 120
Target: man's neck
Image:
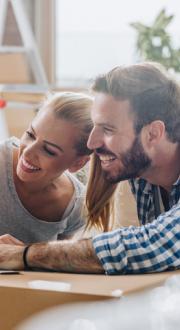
165 171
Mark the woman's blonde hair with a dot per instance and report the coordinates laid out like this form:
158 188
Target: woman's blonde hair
99 198
75 108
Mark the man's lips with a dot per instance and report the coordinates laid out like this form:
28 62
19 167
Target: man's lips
104 155
106 158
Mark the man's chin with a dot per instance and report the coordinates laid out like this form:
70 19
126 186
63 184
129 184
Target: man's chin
118 177
111 178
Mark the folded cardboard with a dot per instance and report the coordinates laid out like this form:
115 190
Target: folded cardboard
14 68
27 293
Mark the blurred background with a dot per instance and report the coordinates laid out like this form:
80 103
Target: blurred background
63 44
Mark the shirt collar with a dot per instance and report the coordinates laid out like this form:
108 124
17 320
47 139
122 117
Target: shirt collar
177 182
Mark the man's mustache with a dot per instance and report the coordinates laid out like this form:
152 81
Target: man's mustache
103 151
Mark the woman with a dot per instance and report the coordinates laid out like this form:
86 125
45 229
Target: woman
39 199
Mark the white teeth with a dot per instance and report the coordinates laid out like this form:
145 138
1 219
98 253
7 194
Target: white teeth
106 158
31 167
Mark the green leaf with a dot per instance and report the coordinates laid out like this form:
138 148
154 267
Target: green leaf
162 51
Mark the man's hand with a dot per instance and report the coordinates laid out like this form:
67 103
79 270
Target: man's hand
9 239
11 256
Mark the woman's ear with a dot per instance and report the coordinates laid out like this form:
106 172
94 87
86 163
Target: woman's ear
79 163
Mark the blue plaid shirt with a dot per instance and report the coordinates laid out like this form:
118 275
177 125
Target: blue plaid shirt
153 247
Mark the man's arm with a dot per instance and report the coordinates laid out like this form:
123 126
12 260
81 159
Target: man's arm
151 248
68 256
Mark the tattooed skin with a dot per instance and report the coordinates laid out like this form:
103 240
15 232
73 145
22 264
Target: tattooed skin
11 256
68 256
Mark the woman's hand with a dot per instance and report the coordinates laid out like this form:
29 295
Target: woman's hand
9 239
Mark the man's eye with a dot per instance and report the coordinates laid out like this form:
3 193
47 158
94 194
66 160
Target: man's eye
107 130
49 152
30 135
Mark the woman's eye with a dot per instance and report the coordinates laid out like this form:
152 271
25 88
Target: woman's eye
30 135
49 152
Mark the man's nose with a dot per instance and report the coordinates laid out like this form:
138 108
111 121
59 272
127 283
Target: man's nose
95 140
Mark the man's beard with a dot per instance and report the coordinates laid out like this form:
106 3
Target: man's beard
135 161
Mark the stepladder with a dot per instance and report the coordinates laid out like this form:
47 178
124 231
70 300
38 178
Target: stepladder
29 46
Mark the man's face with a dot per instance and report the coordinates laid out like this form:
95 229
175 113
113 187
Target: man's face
113 139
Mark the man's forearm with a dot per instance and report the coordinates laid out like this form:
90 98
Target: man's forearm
68 256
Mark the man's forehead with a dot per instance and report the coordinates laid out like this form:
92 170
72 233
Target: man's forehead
107 107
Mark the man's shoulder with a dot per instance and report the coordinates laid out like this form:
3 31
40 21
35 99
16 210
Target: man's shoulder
140 184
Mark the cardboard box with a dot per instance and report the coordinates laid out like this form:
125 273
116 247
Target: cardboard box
18 120
30 292
14 68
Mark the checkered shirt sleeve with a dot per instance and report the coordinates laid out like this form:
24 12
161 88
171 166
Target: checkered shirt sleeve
153 247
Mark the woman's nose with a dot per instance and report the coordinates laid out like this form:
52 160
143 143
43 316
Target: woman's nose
31 150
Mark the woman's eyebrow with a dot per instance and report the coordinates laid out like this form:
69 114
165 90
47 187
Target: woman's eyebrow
54 145
33 129
48 142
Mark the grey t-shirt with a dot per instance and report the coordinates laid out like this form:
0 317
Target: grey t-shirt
17 221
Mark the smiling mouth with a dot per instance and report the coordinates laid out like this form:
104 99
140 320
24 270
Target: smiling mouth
29 166
106 159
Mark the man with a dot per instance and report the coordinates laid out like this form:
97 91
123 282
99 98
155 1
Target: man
136 135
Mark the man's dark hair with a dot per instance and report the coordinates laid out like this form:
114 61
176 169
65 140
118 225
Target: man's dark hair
152 93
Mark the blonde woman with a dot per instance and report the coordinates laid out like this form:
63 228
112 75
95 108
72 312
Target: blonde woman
40 200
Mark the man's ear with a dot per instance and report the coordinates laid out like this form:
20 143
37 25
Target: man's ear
79 163
153 132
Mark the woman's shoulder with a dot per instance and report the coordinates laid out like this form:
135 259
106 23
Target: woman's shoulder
79 187
9 143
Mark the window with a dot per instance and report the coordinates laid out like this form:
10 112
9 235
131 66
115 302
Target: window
93 36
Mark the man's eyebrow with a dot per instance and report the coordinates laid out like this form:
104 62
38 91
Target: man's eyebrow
107 125
48 142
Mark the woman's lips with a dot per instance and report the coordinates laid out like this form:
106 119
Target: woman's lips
27 167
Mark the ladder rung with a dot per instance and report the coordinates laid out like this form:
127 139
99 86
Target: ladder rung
28 46
12 49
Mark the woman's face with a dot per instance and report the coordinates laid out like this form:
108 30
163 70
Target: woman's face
47 149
